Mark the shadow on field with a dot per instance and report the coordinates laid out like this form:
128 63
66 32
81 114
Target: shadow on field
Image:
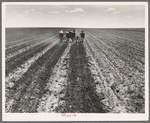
81 96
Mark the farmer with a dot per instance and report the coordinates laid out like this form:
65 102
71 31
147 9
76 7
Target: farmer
82 34
67 35
61 35
73 35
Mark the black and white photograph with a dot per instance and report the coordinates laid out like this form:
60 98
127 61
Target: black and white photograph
71 61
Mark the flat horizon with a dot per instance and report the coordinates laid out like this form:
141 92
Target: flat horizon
78 27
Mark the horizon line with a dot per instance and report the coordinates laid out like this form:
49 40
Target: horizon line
81 27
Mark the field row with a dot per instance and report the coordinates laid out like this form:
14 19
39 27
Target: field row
34 78
21 34
125 78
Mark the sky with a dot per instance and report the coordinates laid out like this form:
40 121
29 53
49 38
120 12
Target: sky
78 16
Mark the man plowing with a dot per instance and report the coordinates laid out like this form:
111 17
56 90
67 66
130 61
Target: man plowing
67 35
73 35
82 34
61 35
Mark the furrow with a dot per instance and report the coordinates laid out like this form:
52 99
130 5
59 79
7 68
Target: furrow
103 88
19 71
123 84
33 87
20 40
26 48
56 86
26 42
11 85
21 58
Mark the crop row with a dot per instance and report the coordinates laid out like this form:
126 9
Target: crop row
36 82
127 53
28 78
25 40
103 87
109 76
21 58
130 35
19 71
53 99
21 51
113 57
19 34
21 45
122 86
124 41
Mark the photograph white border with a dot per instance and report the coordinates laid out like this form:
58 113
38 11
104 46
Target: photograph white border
80 116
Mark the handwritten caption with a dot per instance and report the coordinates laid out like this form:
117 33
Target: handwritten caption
68 115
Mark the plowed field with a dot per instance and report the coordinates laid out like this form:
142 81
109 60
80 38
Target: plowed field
103 74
